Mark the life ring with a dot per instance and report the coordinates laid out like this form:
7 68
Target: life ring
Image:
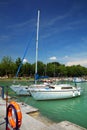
14 115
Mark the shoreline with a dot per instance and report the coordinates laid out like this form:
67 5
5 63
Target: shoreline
32 119
37 115
31 113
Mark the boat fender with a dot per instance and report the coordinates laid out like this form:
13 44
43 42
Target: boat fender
73 94
78 92
14 115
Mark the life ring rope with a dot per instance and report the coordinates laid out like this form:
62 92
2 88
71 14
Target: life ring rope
14 115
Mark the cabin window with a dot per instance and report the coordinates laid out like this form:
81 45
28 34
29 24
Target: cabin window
66 88
51 87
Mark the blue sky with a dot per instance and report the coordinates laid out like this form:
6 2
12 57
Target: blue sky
62 33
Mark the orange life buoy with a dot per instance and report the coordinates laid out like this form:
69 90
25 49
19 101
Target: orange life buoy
14 115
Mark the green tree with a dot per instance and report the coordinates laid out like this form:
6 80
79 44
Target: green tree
26 69
7 65
50 69
40 68
62 71
18 66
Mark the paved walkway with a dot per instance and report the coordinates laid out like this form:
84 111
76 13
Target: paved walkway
30 123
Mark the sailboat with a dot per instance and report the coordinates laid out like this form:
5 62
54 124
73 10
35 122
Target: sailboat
25 90
20 90
52 91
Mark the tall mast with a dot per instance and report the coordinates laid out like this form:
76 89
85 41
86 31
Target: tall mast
37 43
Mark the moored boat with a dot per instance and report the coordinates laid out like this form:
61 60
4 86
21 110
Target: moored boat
21 90
78 80
51 92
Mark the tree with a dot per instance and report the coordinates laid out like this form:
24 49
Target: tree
62 71
50 69
7 65
40 68
26 69
18 64
55 69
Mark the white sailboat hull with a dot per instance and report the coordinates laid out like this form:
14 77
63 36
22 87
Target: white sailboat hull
51 94
21 90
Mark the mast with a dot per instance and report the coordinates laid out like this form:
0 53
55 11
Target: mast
37 43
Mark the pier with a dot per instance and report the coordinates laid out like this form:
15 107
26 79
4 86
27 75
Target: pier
31 123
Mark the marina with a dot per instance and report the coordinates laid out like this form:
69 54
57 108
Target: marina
72 110
43 86
29 122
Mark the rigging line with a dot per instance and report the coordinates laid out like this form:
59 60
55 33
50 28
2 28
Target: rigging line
26 49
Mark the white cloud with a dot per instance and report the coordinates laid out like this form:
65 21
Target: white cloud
25 61
82 62
53 58
66 57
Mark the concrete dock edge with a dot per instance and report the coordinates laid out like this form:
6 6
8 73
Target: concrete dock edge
30 123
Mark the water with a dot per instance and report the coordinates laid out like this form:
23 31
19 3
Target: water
73 110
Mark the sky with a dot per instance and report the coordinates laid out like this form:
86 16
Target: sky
62 31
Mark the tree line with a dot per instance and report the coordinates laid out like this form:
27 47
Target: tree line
10 67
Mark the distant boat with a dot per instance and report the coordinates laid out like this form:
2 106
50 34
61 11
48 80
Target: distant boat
50 91
78 80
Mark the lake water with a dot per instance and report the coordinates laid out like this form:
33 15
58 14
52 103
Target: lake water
73 110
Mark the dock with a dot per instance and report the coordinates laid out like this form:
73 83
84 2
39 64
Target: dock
31 123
